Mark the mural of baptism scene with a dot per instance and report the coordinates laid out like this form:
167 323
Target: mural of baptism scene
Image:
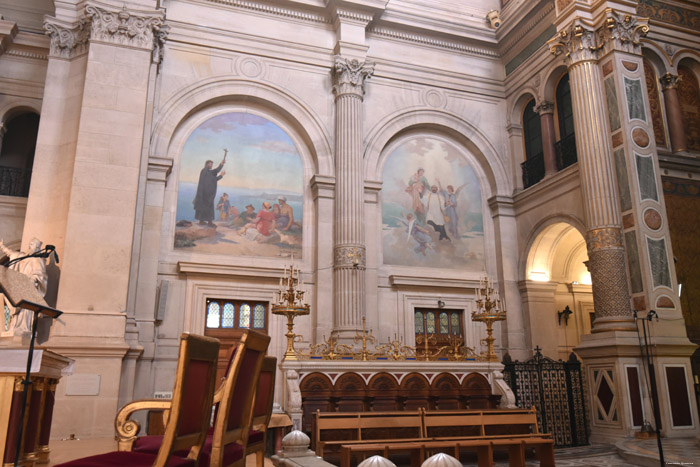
431 207
240 189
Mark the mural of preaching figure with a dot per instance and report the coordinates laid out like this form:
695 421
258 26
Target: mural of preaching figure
206 192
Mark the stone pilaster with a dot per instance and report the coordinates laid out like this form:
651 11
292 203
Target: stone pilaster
674 117
349 236
546 111
598 184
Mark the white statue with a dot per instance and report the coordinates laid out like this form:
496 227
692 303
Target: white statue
35 269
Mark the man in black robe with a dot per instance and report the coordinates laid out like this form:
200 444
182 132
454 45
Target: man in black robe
206 192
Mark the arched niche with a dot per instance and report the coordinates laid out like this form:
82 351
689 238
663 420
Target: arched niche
316 392
557 253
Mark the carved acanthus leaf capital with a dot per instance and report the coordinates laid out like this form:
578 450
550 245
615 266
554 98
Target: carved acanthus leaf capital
349 76
67 40
125 27
544 107
577 42
623 32
669 81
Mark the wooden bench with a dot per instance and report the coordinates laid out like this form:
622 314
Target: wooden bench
333 429
453 431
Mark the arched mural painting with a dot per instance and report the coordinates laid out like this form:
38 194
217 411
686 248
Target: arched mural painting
431 207
240 189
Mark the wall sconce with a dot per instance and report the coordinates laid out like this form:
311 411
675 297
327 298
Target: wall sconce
441 304
566 312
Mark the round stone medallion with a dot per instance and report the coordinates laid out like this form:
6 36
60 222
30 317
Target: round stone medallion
251 67
640 137
652 219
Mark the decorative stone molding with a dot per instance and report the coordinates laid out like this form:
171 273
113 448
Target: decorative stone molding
67 40
669 81
274 10
8 31
158 169
432 41
623 32
349 76
545 107
125 27
350 256
159 37
598 239
356 16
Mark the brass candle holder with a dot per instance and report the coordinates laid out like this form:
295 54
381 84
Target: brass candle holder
488 311
290 303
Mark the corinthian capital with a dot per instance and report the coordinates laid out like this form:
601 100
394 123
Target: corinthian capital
67 40
577 42
622 32
669 81
125 27
349 76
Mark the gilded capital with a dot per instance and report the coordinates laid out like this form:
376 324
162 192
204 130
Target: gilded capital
349 76
67 40
350 256
577 42
669 81
603 238
622 32
125 27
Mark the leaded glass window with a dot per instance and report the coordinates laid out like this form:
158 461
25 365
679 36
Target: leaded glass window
259 316
244 316
430 322
213 314
418 322
443 323
456 328
229 315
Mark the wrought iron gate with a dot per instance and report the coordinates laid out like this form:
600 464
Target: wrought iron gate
556 390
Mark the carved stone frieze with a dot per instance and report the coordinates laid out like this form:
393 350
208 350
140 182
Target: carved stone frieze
67 41
125 27
623 32
349 76
604 238
350 256
669 81
159 37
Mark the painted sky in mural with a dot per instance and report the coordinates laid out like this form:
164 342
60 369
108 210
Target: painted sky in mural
250 205
431 207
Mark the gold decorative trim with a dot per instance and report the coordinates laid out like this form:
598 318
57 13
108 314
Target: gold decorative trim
607 237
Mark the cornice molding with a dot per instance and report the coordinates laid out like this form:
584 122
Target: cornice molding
275 10
67 40
126 27
350 15
431 41
532 23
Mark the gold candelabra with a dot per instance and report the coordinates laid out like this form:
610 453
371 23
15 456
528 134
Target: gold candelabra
488 304
290 303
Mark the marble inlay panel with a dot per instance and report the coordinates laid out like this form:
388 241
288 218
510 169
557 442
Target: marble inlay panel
635 99
613 109
633 262
647 178
659 262
622 180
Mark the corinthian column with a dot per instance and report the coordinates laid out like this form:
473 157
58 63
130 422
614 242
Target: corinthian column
349 233
669 86
606 253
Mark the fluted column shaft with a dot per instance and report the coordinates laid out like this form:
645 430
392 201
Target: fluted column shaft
546 111
349 235
606 253
674 117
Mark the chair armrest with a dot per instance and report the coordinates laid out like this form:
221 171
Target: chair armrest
127 429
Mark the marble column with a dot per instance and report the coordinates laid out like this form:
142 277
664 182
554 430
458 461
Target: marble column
669 86
606 253
349 235
546 111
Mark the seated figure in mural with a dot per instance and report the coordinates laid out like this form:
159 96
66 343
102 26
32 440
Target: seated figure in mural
206 192
244 217
435 214
451 217
286 215
419 233
35 269
224 207
263 223
417 185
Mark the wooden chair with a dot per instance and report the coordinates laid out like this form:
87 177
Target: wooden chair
225 445
190 412
262 411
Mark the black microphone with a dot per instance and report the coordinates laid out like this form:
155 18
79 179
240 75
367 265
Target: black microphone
52 249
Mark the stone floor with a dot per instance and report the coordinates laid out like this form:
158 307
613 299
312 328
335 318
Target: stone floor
626 453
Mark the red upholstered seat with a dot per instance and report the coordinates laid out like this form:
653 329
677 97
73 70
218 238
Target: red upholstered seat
255 436
126 458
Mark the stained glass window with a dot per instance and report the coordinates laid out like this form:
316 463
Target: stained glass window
444 323
244 316
418 320
455 324
259 317
430 322
229 315
213 312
